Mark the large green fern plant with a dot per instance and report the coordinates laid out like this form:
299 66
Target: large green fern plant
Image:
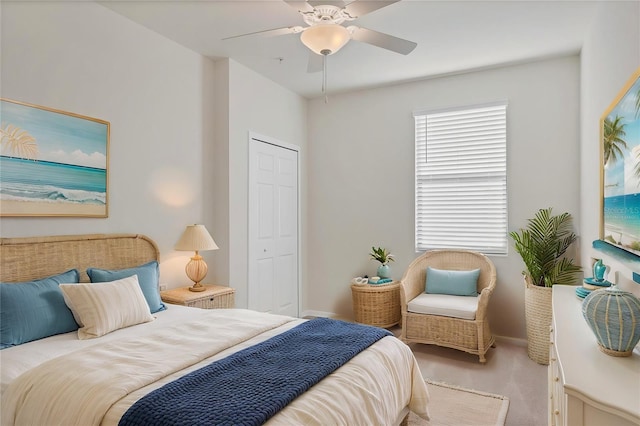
542 246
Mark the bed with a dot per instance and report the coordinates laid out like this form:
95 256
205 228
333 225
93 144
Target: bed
99 377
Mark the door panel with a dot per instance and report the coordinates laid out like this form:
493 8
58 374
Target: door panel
264 285
287 292
286 215
273 228
265 212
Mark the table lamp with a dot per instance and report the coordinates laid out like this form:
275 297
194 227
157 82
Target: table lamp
196 238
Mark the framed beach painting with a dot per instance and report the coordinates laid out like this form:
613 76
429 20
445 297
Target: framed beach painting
620 135
52 163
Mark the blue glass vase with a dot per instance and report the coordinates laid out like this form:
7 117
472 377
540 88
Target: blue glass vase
384 271
599 269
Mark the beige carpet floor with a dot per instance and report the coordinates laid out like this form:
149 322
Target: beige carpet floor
451 405
508 372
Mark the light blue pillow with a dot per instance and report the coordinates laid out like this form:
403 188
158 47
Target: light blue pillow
455 283
148 278
34 310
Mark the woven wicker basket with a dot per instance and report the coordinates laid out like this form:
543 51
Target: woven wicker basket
377 305
538 318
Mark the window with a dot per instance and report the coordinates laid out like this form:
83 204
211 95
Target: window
461 179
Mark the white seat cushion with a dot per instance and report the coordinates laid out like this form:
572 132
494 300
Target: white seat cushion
464 307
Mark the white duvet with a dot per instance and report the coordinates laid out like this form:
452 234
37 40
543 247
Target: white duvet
40 380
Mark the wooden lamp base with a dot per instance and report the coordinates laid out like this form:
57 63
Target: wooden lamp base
196 270
197 287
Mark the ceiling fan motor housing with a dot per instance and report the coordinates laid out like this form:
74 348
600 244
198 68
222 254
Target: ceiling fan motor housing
326 14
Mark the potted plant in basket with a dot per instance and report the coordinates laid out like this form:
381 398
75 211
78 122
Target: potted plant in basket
542 246
384 257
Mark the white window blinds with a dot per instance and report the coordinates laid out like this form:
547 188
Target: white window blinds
461 179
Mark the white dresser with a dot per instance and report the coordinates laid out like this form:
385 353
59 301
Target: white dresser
586 386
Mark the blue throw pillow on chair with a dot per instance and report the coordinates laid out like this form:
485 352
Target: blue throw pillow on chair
454 283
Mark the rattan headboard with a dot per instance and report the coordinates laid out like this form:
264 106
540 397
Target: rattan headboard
24 259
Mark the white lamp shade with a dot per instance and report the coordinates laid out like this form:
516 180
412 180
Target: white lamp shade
196 238
325 39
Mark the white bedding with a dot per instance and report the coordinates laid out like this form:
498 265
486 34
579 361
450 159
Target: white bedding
373 388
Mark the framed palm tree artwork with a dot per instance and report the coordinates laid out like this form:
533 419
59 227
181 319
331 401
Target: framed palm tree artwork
620 135
52 162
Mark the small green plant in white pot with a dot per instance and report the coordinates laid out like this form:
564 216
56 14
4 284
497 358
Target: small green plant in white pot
384 257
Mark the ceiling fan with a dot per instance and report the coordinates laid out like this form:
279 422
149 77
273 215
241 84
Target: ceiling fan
325 34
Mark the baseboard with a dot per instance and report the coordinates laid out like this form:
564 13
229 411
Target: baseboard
513 340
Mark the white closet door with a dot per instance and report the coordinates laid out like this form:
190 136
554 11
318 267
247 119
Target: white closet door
273 228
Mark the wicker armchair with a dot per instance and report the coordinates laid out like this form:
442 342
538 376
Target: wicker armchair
469 335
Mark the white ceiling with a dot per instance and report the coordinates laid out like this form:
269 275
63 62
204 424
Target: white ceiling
452 36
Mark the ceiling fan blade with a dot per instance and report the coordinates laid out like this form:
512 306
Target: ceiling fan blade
300 6
270 33
383 40
315 62
358 8
316 3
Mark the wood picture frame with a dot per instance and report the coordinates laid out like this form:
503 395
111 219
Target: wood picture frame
620 170
52 162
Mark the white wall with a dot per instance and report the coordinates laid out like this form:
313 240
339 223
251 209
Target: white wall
259 105
361 173
83 58
218 187
609 57
179 127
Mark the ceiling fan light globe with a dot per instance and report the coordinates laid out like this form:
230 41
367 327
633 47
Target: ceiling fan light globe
325 37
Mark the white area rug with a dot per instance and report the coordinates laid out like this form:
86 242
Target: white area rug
456 406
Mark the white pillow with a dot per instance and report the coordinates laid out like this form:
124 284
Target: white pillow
101 308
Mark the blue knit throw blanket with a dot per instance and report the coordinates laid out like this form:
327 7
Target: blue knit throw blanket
252 385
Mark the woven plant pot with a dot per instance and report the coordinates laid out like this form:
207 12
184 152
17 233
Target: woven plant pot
538 318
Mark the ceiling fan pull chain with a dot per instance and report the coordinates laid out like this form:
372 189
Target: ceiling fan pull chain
324 75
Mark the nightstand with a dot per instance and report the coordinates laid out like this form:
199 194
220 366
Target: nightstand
214 297
377 304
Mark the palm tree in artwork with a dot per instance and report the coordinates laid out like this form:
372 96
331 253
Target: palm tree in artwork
18 142
636 170
614 144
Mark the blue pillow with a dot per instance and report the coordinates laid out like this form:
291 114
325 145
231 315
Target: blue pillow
34 310
148 277
455 283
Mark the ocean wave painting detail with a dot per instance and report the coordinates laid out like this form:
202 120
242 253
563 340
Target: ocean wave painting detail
52 162
45 181
622 215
